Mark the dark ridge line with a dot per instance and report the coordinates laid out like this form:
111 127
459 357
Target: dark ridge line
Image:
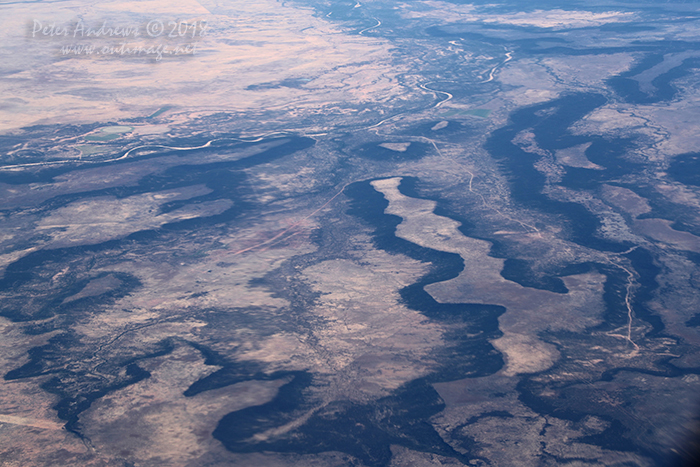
177 176
369 206
48 174
672 371
364 431
55 306
611 438
616 280
232 372
530 45
18 273
694 321
513 268
628 88
380 429
526 183
72 403
614 291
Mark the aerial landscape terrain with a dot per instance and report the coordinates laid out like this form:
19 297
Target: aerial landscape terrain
349 233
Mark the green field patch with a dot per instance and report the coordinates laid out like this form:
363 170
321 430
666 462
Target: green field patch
160 111
109 133
89 149
118 129
483 113
101 137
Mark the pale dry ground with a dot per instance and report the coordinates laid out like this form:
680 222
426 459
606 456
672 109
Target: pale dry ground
18 407
95 288
610 118
680 194
524 438
588 70
30 431
661 230
576 157
245 44
366 345
670 61
529 311
678 121
625 199
401 457
97 220
86 221
540 80
153 423
533 83
554 19
527 141
398 147
672 126
351 307
367 342
87 179
371 343
681 276
221 274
